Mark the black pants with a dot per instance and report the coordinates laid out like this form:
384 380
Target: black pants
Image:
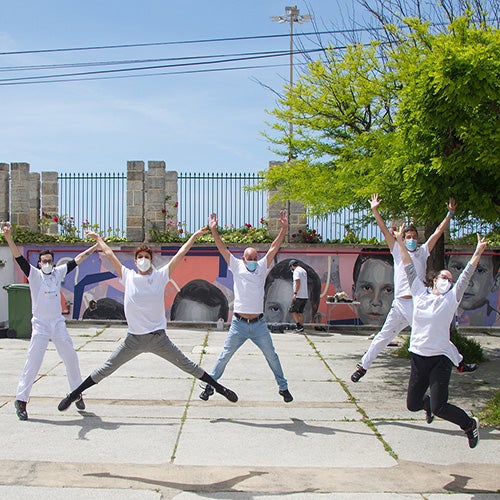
433 373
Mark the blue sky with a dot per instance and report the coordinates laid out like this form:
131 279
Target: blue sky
198 122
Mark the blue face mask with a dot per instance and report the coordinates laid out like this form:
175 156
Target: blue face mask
411 245
251 265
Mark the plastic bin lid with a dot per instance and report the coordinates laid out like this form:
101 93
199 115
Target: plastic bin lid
16 286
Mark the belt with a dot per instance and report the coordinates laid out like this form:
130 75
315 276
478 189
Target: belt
249 320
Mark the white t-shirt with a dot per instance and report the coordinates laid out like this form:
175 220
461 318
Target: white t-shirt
144 301
432 315
248 286
301 274
45 292
419 258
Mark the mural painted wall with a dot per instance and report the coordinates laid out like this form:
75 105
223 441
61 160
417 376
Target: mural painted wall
201 289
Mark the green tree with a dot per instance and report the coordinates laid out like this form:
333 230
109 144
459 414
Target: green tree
416 121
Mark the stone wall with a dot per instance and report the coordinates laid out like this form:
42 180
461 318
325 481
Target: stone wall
152 196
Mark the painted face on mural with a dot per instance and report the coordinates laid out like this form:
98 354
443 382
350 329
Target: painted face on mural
482 283
191 310
278 300
374 289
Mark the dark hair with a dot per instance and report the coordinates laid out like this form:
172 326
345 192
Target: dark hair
370 254
282 271
204 292
45 252
409 228
144 248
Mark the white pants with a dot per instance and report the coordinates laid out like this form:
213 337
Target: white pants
399 317
42 333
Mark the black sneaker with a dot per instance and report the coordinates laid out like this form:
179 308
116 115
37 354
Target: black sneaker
80 403
360 372
21 409
299 329
287 397
429 417
66 402
228 394
466 367
207 392
473 433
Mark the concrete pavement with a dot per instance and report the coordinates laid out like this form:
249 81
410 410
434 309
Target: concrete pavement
146 435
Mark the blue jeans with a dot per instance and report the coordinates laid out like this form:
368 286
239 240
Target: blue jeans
239 332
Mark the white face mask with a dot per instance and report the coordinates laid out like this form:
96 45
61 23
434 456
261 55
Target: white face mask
143 264
442 285
47 268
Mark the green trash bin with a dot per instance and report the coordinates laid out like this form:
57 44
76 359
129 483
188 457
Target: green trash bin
19 299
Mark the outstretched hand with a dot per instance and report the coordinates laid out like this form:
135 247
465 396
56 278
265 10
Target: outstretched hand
284 218
481 243
203 230
374 202
212 222
398 233
451 205
7 230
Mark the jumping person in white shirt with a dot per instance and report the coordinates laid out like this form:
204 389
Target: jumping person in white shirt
144 306
400 314
432 352
248 323
47 322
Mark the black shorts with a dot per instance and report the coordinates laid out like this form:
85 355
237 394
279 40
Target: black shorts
298 306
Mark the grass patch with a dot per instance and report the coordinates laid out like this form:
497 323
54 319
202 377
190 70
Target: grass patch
490 414
469 348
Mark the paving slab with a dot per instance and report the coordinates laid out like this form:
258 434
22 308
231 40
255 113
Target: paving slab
146 434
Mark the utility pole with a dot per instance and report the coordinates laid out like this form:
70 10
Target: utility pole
292 15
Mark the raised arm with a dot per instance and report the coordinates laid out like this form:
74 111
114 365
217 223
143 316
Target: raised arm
481 246
212 224
276 244
86 253
389 238
405 255
434 237
183 250
103 246
7 232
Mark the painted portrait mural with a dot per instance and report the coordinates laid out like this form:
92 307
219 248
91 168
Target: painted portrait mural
201 289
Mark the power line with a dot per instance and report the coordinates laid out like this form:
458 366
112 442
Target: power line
6 81
180 42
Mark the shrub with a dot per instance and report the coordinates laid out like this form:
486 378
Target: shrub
469 348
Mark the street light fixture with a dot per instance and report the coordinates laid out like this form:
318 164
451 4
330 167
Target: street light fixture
292 15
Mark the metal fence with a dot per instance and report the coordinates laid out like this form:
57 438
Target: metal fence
199 195
100 200
97 200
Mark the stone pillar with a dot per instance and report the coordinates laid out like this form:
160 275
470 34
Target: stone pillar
135 200
296 212
4 192
50 199
25 197
171 196
154 206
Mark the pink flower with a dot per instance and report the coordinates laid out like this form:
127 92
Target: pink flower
176 204
164 211
294 235
56 219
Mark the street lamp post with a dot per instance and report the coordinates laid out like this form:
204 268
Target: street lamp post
292 15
